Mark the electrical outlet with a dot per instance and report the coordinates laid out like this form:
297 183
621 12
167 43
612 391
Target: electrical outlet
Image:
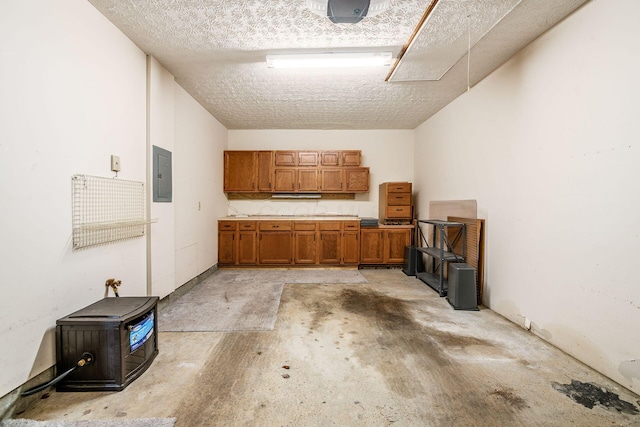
115 163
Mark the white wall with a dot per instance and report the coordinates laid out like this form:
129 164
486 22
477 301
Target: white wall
388 154
197 186
73 93
548 145
161 134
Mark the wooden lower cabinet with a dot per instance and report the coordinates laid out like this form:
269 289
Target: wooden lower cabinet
330 242
305 243
395 241
371 246
247 247
383 245
323 243
350 242
237 243
274 248
275 242
227 248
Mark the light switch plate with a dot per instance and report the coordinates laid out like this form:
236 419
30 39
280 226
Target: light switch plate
115 163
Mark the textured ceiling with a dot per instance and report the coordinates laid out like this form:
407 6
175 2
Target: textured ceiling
216 50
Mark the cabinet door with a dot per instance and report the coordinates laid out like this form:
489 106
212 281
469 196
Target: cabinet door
330 158
308 180
350 158
331 180
240 171
285 180
394 243
305 251
350 247
307 158
247 254
265 170
274 247
227 248
330 243
371 246
357 180
285 158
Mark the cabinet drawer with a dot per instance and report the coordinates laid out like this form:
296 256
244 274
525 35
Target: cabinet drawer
399 199
351 225
398 212
275 225
246 225
304 226
399 187
330 226
227 225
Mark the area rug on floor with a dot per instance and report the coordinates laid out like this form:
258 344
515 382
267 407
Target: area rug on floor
120 422
241 300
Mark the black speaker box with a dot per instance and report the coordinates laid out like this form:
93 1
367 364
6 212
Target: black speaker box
462 286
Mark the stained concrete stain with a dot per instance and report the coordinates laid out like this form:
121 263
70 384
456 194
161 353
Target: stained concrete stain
223 378
511 398
589 395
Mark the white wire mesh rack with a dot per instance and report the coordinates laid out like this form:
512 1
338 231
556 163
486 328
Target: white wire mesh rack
106 210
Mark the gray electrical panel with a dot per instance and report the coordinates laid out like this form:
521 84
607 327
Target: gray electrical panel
162 177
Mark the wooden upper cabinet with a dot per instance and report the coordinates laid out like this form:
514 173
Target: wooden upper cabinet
285 179
350 158
307 158
331 180
240 171
286 158
330 158
291 171
356 180
265 171
308 180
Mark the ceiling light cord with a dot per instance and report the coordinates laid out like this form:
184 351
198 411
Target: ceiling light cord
468 51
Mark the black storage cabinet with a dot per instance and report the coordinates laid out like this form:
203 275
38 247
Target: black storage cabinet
108 329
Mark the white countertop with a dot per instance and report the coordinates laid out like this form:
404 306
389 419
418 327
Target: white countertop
319 217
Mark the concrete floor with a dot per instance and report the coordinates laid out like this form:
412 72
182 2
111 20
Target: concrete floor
390 352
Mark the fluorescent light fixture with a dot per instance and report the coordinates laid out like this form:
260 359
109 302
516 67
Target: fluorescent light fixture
296 196
330 59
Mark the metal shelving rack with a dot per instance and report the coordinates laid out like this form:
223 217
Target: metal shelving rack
441 251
